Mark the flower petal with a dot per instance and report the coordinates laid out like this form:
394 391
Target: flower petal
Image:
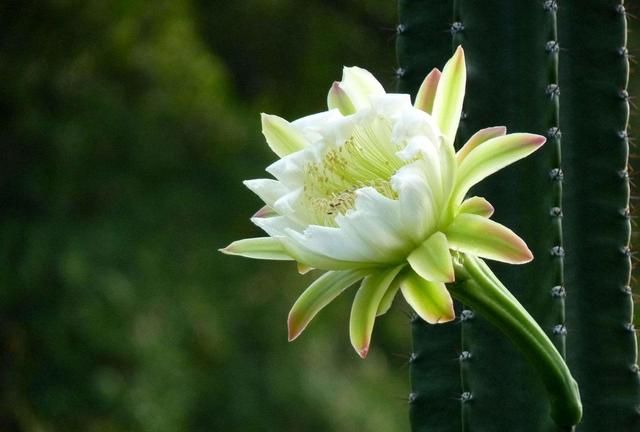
377 230
432 259
485 238
447 105
343 243
313 125
492 156
268 248
386 214
338 99
478 138
418 198
427 91
275 226
476 205
268 190
431 300
360 86
319 294
265 212
365 305
295 246
282 136
387 298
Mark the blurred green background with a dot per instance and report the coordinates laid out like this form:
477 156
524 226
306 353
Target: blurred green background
127 129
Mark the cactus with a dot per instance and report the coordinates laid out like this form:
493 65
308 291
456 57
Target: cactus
601 343
467 376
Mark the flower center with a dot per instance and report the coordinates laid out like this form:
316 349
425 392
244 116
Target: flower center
366 158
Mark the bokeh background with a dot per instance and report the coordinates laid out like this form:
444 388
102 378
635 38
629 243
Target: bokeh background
127 128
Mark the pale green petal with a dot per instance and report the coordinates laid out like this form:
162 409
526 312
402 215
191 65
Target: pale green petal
387 298
282 136
267 248
448 168
485 238
427 91
365 305
338 99
430 300
447 105
360 85
432 259
476 205
491 156
478 138
319 294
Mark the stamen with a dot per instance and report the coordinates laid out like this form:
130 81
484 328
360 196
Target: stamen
366 159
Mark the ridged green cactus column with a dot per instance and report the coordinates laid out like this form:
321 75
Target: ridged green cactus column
521 54
601 347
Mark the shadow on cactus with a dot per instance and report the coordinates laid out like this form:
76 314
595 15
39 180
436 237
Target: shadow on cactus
372 190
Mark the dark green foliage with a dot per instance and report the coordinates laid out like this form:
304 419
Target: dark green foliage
601 347
514 54
127 132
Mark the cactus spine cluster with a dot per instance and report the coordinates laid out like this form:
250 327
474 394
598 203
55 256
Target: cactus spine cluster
558 68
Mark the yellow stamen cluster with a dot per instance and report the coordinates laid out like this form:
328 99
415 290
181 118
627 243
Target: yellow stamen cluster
366 158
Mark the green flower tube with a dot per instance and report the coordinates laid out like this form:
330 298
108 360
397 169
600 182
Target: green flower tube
477 287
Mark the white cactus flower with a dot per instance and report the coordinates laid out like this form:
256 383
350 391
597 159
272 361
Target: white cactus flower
372 190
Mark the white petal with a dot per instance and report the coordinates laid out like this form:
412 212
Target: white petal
360 85
378 230
275 226
312 125
386 214
343 244
268 190
391 105
413 122
290 169
294 244
418 206
333 131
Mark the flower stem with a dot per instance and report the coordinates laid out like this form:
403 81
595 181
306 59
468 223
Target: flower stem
479 288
